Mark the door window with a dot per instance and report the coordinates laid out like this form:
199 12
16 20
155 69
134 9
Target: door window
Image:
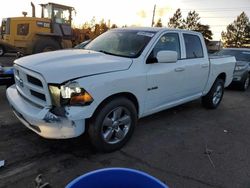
193 46
169 41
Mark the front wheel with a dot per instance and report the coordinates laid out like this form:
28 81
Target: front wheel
214 96
1 51
46 45
113 125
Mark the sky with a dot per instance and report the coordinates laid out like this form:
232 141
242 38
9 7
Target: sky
216 13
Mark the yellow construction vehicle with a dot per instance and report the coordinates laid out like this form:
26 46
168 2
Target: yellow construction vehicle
29 35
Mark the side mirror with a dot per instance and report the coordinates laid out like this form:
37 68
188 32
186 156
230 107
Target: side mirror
166 56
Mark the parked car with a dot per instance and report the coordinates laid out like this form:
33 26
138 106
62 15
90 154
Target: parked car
122 75
6 76
242 69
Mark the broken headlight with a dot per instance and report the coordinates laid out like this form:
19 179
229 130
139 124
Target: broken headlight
70 94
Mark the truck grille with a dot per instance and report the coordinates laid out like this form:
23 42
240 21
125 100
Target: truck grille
32 86
34 81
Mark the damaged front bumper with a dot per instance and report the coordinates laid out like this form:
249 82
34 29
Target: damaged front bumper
41 120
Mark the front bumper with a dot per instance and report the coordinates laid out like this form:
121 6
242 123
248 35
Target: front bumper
34 117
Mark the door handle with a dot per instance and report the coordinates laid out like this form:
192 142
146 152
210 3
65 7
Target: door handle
179 69
204 66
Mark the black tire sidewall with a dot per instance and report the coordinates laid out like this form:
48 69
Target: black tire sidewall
208 99
3 50
42 44
242 84
95 132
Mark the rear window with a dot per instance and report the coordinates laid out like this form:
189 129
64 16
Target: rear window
193 46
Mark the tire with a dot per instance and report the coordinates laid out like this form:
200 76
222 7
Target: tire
2 51
243 86
214 96
113 125
46 45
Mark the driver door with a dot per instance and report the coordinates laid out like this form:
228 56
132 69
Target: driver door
165 81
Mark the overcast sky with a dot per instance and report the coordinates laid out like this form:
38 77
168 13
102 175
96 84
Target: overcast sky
216 13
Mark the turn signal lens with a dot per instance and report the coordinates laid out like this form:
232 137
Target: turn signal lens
83 98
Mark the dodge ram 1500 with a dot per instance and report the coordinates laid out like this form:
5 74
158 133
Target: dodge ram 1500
120 76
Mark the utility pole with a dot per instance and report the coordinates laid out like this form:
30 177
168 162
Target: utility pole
153 18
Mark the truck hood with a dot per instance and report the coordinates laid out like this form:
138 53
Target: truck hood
63 65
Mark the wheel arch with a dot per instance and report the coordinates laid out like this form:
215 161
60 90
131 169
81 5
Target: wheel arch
126 95
222 76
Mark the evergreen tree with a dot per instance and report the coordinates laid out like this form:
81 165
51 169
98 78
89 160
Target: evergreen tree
192 22
237 34
158 23
205 31
176 21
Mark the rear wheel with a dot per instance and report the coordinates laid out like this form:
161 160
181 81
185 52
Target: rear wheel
245 83
214 96
113 125
2 51
46 45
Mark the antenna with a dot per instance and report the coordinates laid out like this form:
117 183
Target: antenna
153 18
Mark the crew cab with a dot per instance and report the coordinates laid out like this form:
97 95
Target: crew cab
120 76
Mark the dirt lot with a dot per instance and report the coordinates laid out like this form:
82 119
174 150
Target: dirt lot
170 145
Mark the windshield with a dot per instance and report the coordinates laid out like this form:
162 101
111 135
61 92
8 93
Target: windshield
240 55
61 15
48 11
121 43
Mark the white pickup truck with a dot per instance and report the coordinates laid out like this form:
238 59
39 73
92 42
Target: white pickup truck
122 75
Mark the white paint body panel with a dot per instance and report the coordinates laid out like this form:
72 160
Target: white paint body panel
156 86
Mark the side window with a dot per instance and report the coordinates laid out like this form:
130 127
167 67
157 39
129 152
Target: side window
169 41
22 29
193 46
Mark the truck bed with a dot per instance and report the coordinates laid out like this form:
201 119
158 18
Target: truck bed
218 63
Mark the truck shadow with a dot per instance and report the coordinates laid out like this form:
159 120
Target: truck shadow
79 147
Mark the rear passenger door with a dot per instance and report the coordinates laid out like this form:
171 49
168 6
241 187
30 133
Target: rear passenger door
196 64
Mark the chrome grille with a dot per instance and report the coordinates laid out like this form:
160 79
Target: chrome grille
32 86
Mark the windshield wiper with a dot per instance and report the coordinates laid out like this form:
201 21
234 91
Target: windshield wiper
105 52
109 53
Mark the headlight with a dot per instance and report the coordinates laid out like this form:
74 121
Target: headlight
70 89
240 67
70 94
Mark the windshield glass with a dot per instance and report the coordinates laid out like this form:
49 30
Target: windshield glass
60 15
48 11
123 43
240 55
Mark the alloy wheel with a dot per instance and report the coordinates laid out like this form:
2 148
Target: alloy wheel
116 125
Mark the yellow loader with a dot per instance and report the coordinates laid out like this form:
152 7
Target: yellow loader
29 35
